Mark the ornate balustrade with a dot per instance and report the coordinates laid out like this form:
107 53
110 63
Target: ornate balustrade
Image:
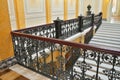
69 28
42 49
63 29
42 30
48 56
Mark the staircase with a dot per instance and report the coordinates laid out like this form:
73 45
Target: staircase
108 37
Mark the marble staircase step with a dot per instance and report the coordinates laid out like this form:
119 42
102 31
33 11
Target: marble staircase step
109 36
106 38
106 41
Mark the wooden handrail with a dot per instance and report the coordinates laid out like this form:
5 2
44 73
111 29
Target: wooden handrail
78 45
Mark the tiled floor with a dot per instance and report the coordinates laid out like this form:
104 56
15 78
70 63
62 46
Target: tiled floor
28 73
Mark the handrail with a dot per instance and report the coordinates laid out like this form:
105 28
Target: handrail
60 59
79 45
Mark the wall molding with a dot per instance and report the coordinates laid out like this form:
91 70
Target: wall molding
30 10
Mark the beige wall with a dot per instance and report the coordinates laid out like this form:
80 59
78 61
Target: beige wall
35 10
6 49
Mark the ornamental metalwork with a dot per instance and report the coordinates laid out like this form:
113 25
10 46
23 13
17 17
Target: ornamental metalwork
63 60
69 28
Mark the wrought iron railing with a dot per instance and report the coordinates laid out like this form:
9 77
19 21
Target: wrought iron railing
63 29
69 28
58 59
42 30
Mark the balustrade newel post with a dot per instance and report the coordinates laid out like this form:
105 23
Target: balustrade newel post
58 27
92 20
100 14
80 24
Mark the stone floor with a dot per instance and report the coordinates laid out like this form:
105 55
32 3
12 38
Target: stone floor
8 74
28 73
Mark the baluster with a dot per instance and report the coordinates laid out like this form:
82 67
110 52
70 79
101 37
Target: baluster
52 62
83 70
98 63
37 48
67 24
36 52
113 68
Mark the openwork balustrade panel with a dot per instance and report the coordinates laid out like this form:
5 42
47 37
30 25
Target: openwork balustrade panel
69 27
87 22
43 30
47 57
95 65
63 60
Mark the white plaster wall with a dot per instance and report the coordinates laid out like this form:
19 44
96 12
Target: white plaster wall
35 10
71 9
12 14
96 6
57 9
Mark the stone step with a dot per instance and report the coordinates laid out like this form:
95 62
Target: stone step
109 31
92 71
90 74
108 23
106 38
104 65
109 36
110 26
106 41
105 44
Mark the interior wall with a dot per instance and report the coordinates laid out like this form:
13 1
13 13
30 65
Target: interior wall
96 6
71 9
86 3
117 13
57 9
35 14
105 4
6 49
12 14
35 10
